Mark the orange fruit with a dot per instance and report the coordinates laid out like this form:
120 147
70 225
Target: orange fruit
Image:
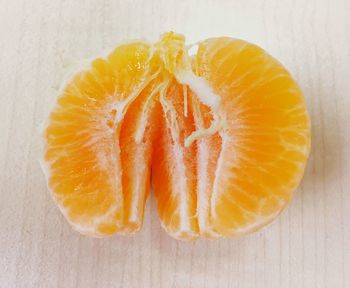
223 137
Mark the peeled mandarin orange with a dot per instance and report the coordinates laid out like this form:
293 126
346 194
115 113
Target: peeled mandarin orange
223 137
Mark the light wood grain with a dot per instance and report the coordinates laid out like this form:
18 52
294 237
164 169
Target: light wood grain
307 246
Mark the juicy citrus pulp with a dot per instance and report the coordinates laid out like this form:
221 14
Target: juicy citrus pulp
223 136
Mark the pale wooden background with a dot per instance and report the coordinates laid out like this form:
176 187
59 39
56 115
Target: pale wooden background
308 246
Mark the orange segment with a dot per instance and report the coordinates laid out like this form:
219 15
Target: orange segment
174 166
266 140
82 150
208 151
139 128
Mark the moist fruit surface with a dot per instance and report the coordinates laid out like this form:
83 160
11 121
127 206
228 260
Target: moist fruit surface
222 137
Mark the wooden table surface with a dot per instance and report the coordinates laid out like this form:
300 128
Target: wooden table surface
307 246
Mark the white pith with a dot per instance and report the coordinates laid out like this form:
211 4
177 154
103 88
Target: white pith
218 173
200 86
135 204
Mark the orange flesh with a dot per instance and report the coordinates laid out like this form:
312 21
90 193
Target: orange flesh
216 170
266 142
